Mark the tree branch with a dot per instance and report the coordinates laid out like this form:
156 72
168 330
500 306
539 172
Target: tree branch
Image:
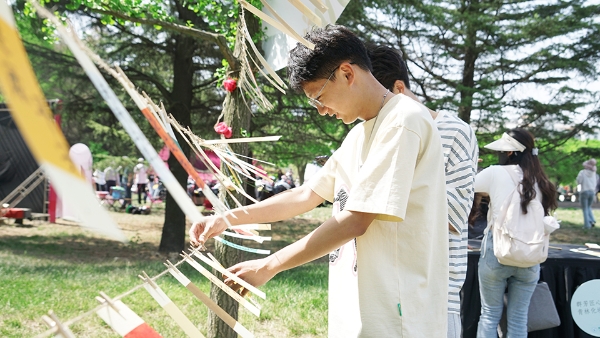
138 75
195 33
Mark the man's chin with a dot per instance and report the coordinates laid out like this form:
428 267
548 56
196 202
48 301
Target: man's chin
347 120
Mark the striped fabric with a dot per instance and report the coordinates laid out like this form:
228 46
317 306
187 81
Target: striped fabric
460 157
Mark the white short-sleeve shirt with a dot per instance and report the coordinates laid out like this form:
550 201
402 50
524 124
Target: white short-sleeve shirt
393 280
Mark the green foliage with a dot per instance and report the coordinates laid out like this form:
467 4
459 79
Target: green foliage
97 150
494 62
563 163
221 74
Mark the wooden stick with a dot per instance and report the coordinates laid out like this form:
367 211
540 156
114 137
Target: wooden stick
234 324
253 226
251 237
215 280
280 26
320 5
105 298
262 60
172 310
53 322
244 140
307 12
295 35
123 320
248 232
230 275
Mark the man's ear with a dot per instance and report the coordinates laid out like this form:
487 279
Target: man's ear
399 87
348 72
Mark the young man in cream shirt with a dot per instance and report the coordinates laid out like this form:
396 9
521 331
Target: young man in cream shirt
389 277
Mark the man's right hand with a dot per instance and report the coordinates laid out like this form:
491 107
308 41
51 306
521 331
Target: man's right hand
208 228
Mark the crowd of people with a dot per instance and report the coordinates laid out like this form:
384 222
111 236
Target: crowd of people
140 179
402 186
267 186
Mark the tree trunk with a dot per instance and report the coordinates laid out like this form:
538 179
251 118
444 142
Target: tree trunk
237 116
468 81
301 170
173 234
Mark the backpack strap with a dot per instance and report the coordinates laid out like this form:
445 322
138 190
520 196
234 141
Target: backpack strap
513 175
515 179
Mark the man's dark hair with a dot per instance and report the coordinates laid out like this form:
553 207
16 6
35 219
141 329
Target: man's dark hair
334 44
388 66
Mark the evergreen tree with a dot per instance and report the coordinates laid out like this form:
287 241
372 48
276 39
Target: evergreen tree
495 62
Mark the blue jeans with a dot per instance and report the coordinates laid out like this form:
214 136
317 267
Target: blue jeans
493 279
587 198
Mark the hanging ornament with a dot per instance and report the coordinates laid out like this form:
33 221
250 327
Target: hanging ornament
230 84
224 129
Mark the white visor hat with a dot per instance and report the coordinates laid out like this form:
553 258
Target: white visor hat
506 143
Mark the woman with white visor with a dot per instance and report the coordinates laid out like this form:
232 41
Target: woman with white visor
517 157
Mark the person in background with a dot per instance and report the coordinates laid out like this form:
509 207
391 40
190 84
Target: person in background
285 182
119 171
152 181
110 175
388 237
141 179
517 152
588 179
99 179
460 166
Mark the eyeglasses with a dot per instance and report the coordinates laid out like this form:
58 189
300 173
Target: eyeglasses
316 103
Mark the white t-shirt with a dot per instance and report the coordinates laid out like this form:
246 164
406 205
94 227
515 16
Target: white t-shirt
496 182
99 177
140 174
393 280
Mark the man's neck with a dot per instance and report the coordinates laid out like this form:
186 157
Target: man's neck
375 98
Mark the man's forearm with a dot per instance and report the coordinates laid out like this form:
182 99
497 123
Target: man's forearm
332 234
282 206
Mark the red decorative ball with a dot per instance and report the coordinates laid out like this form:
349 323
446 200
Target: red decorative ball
223 129
230 84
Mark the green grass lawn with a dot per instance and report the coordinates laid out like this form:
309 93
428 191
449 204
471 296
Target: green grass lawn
571 227
62 268
296 302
